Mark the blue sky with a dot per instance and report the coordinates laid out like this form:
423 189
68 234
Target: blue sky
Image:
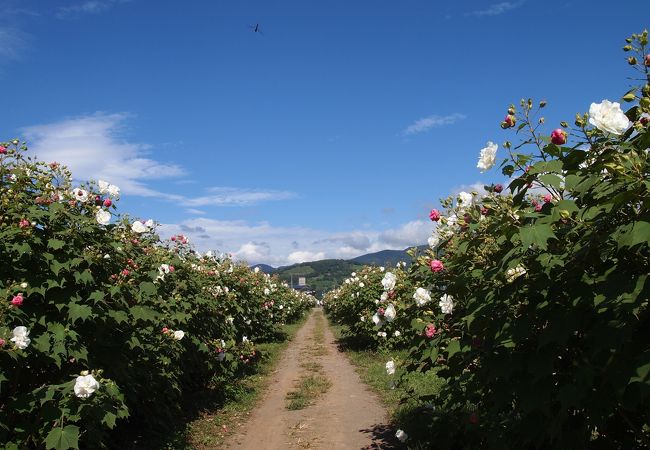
330 134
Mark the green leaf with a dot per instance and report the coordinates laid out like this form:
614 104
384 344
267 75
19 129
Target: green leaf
148 288
537 235
640 233
109 420
453 347
77 311
63 438
55 244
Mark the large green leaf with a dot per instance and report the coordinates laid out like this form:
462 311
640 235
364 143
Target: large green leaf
537 235
63 438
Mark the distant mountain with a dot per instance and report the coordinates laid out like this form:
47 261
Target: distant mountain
264 268
324 275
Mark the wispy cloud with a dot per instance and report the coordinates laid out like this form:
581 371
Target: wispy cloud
13 43
86 7
262 242
497 9
93 147
426 123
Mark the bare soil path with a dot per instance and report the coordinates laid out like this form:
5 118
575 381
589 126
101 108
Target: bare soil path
347 416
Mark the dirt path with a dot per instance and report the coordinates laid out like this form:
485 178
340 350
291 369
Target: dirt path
347 416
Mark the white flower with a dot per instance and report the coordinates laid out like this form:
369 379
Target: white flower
138 227
361 284
390 313
362 318
377 320
446 304
354 274
24 285
381 334
422 296
103 186
281 306
80 195
164 269
465 199
85 385
244 339
389 281
401 435
433 241
149 223
20 337
103 217
230 320
179 334
267 291
608 117
514 273
221 356
390 367
113 191
384 296
488 157
397 333
256 270
107 256
381 269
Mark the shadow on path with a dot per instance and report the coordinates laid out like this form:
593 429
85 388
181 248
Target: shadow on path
383 437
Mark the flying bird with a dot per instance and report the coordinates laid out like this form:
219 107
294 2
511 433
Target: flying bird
256 28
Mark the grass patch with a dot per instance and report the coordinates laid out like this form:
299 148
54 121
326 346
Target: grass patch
309 389
220 413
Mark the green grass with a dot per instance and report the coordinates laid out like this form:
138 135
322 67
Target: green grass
309 389
217 420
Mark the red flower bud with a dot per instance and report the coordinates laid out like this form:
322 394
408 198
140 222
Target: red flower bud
108 202
3 150
498 188
558 136
434 215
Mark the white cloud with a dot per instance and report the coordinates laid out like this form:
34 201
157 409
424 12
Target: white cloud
426 123
261 242
86 7
497 9
196 212
92 148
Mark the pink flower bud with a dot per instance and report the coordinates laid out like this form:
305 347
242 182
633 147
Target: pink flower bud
434 215
498 188
381 311
430 330
436 266
24 223
17 300
108 202
2 342
538 208
558 136
3 150
126 272
165 329
548 198
171 268
509 121
173 238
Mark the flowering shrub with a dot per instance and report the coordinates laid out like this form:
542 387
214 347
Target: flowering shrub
541 329
100 321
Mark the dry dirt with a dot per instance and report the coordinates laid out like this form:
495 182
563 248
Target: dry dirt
347 416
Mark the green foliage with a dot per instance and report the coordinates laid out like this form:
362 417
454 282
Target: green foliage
105 300
547 343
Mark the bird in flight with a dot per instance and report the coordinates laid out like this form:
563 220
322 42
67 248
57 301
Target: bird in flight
256 28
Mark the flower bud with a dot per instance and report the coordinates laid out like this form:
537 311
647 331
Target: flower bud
509 121
3 150
646 60
498 188
434 215
548 198
627 48
436 266
632 61
542 103
511 111
108 202
558 136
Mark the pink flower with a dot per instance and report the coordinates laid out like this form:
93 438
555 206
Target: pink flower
171 268
434 215
17 300
165 329
3 150
430 330
381 311
108 202
173 238
436 266
126 272
2 342
538 207
548 198
498 188
509 121
558 136
484 211
23 223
